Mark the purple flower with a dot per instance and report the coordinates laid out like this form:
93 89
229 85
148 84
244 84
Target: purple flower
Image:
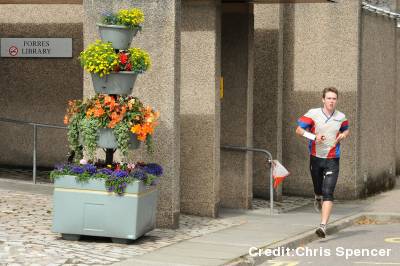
139 174
153 169
106 171
77 170
120 173
90 168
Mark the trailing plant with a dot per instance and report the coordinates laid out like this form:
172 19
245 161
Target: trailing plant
122 135
89 128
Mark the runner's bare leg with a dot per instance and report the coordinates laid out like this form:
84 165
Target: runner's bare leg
326 211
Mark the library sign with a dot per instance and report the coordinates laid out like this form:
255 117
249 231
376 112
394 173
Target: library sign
36 47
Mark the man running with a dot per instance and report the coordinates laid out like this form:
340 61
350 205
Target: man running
324 127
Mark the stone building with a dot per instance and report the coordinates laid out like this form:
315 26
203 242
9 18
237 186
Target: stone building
274 58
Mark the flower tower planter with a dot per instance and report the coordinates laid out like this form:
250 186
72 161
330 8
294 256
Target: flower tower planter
92 207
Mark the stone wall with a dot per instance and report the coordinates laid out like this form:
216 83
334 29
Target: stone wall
38 89
320 49
377 104
266 119
237 104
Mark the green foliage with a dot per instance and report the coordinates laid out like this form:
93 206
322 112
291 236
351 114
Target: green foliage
118 185
89 127
122 134
73 138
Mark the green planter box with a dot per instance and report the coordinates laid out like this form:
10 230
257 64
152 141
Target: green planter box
88 209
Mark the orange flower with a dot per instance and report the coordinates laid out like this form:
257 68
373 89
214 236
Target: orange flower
99 112
66 120
142 131
115 116
141 137
136 128
123 110
89 112
110 101
98 104
147 128
112 124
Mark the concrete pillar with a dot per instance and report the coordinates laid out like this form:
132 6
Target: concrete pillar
398 95
267 93
159 87
237 104
200 107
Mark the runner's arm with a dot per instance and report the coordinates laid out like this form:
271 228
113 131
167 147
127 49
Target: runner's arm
302 132
342 135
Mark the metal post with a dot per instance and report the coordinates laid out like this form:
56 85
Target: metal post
35 126
269 160
271 190
34 153
109 156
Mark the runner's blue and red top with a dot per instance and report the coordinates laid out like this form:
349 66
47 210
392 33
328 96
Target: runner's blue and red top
317 122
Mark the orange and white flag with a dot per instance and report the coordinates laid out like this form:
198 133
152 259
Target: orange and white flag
279 172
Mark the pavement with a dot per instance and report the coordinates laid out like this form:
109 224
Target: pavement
199 240
365 244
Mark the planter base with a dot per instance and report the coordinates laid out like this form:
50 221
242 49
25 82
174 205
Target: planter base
70 237
120 240
88 209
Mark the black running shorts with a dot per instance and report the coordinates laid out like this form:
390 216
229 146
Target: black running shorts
324 173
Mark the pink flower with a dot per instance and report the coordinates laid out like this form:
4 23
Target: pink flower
83 161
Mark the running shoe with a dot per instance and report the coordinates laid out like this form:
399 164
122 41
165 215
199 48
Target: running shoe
321 231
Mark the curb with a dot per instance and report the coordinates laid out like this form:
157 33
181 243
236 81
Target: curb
310 236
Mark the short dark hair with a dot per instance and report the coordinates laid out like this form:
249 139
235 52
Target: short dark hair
330 89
